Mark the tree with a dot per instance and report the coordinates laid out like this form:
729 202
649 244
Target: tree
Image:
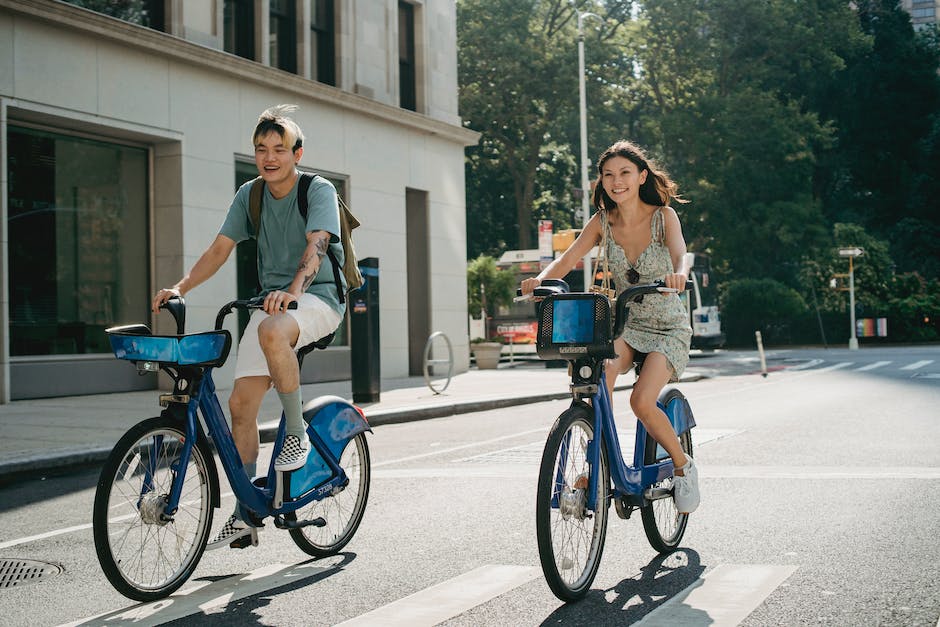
517 64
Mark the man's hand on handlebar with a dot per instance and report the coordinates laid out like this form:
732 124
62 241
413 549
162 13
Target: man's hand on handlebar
160 298
278 302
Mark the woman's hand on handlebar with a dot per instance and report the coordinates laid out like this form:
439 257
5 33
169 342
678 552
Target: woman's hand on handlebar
528 285
160 298
676 281
277 302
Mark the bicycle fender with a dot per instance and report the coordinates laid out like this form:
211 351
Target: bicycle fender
336 421
678 410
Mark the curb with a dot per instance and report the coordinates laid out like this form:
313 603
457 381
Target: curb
268 430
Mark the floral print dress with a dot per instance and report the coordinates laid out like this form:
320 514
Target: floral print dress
659 324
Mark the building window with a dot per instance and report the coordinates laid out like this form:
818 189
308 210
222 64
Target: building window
284 35
239 28
322 42
407 97
78 251
246 254
149 13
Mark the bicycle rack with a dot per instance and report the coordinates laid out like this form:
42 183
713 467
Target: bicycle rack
428 362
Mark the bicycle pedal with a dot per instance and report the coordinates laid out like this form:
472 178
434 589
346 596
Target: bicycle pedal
245 541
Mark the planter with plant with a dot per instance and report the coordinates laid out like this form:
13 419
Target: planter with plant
488 288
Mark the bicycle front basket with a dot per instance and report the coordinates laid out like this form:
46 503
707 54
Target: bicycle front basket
198 349
573 326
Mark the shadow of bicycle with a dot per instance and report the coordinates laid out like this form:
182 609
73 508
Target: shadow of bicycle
232 599
633 598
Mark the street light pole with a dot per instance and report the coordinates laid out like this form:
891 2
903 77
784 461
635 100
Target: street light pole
852 253
585 186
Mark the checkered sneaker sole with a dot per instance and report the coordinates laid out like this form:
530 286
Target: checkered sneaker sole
233 529
293 454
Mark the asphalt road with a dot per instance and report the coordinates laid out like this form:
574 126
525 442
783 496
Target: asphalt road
821 484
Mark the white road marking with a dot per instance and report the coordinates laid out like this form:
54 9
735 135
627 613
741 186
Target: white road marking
877 364
819 472
448 599
812 363
918 364
459 448
723 597
513 470
841 364
206 597
43 536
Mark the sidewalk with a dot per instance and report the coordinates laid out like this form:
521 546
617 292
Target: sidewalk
56 433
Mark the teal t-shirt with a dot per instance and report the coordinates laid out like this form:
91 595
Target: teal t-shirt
282 238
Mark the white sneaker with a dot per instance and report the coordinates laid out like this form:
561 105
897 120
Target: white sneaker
293 454
685 488
233 529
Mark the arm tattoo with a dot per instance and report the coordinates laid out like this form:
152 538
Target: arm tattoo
309 265
323 243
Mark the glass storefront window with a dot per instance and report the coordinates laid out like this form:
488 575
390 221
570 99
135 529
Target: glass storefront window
78 251
246 255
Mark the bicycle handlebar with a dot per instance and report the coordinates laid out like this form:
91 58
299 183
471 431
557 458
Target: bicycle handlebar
256 302
176 305
635 294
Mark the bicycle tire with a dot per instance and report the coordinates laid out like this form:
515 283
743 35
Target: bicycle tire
570 538
342 511
662 522
143 557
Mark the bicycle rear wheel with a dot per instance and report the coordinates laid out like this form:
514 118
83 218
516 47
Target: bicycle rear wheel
143 555
343 510
663 523
570 537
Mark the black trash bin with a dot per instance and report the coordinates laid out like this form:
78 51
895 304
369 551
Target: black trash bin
364 334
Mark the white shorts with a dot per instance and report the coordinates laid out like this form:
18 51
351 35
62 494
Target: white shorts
315 318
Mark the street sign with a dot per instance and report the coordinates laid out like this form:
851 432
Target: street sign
851 252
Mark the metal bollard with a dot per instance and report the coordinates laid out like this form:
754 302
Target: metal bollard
760 350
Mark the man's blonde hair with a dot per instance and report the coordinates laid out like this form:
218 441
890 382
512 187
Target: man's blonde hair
275 119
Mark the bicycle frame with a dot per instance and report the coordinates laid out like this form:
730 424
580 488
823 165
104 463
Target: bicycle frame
265 499
630 481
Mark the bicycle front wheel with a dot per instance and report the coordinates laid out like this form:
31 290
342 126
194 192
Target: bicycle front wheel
145 554
663 523
570 536
343 510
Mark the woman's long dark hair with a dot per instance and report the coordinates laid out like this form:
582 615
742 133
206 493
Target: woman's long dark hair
658 189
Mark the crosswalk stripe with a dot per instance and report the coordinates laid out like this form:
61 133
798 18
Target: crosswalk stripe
877 364
918 364
838 366
448 599
723 596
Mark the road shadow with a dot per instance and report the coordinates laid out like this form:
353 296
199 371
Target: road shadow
635 597
223 599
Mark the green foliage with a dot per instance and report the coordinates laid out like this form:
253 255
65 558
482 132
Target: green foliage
795 128
765 305
913 310
486 283
518 68
134 11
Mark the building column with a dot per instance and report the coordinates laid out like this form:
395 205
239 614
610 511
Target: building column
4 265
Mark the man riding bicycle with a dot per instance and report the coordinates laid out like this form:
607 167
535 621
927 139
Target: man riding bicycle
290 269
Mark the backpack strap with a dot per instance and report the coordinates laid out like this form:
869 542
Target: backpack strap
302 202
255 197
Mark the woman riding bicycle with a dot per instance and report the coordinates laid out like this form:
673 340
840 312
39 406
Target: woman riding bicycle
644 244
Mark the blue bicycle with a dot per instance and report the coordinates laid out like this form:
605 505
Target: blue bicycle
582 454
158 488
